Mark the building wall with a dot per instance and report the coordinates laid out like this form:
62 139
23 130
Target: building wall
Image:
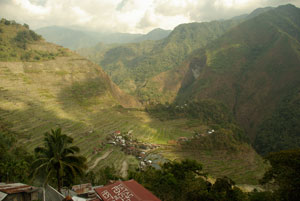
22 197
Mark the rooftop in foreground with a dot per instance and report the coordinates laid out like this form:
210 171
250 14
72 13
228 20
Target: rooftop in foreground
125 190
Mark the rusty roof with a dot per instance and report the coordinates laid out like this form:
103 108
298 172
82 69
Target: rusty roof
82 188
125 190
16 188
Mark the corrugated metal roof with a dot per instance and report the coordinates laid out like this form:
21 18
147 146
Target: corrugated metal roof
16 188
127 190
2 196
82 188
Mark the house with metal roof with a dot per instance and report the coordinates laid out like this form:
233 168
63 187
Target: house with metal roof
18 192
125 190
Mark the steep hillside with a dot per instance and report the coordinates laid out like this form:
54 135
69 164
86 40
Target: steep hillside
128 64
253 69
61 90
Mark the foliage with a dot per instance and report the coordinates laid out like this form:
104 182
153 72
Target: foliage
57 159
26 26
251 69
261 196
14 160
208 111
102 176
284 174
135 63
185 181
17 41
26 36
23 37
282 130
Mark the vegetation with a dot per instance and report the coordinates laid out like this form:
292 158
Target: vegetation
237 76
14 160
131 65
23 37
208 111
284 174
281 130
212 113
185 181
253 69
250 65
57 159
103 176
19 43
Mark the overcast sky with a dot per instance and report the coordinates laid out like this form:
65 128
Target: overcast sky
132 16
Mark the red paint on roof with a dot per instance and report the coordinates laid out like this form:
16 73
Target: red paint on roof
82 188
16 188
125 190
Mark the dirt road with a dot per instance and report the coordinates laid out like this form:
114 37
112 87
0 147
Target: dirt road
104 156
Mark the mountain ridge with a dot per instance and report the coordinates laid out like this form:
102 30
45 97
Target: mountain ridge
79 38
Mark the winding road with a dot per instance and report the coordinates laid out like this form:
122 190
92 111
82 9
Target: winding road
104 156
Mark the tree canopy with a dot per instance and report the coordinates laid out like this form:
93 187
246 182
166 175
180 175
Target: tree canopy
57 159
284 174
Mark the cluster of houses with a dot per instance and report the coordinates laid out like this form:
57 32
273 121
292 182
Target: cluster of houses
208 132
131 146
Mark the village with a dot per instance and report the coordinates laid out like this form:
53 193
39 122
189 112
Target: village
131 146
144 152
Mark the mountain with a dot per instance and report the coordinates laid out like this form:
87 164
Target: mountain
254 70
76 39
250 63
155 34
44 86
66 37
131 65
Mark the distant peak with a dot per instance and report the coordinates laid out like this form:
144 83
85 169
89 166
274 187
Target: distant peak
158 30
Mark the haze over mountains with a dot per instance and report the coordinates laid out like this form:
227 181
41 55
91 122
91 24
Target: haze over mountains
75 39
225 86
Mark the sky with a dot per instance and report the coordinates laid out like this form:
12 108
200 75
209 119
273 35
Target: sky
127 16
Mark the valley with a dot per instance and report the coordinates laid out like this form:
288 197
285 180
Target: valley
224 93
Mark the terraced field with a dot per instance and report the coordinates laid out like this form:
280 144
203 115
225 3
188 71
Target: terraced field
245 167
73 93
36 97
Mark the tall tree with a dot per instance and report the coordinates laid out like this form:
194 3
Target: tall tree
58 159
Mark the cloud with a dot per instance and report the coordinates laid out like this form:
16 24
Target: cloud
126 15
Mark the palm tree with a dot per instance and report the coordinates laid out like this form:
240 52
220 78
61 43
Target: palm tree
57 159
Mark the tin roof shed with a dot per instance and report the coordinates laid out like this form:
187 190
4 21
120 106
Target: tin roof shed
125 190
16 188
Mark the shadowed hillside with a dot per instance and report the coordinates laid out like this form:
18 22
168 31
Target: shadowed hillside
253 69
